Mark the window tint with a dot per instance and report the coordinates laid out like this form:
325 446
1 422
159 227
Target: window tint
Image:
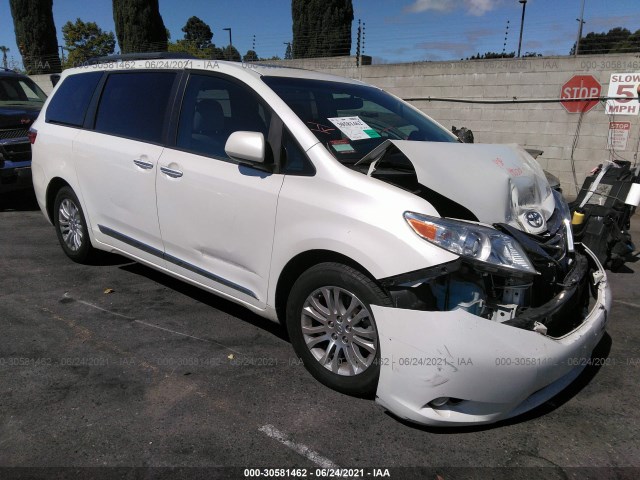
212 109
134 105
294 160
70 102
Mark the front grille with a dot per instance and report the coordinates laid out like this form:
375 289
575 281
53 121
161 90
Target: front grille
11 133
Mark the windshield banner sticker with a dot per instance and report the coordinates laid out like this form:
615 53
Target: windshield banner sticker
354 128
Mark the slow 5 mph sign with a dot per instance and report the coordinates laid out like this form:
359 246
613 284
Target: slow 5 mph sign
624 87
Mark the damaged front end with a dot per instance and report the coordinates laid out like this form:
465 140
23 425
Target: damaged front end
537 282
505 326
466 344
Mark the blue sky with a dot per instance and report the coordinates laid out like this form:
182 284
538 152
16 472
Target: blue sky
396 30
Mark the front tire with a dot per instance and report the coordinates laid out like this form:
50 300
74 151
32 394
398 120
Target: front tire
332 328
71 227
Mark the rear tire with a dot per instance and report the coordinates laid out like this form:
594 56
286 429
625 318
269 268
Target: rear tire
332 328
71 227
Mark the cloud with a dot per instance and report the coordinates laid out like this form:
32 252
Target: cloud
607 23
472 7
457 49
424 5
437 50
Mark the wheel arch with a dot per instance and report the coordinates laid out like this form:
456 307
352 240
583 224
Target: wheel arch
53 188
302 262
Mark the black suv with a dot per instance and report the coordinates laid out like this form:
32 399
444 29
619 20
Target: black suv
20 102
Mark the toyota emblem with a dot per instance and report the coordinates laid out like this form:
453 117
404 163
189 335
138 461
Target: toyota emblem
534 219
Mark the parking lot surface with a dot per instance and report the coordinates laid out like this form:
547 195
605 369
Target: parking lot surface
117 365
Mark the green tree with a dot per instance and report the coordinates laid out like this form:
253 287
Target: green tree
198 32
139 26
197 41
616 40
321 28
630 44
250 56
86 40
288 55
231 54
36 35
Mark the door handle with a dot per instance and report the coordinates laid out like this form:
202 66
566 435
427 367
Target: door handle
170 172
142 164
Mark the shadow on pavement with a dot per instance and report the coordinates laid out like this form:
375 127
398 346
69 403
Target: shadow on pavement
209 299
19 201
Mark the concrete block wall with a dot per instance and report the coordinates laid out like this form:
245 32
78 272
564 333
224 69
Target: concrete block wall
44 82
544 126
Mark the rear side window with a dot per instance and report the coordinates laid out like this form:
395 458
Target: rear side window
70 102
134 105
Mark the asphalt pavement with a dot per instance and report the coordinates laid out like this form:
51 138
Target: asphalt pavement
116 365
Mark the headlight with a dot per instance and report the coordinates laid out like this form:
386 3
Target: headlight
565 213
474 242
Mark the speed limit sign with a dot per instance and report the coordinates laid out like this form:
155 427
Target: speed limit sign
624 87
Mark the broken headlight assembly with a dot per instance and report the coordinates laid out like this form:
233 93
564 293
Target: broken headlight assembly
473 242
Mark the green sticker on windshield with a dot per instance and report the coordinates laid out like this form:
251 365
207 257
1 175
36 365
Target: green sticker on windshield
342 146
372 133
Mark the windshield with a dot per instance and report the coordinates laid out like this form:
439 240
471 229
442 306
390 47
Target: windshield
351 120
20 91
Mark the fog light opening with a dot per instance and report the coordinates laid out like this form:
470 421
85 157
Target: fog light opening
442 402
438 402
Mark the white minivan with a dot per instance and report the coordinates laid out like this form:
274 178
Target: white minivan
437 276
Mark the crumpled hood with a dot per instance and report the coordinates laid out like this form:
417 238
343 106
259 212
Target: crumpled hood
497 183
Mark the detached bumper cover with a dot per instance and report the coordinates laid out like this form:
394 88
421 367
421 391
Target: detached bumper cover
493 371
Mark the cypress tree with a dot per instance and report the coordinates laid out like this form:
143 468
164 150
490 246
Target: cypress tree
321 28
139 26
36 35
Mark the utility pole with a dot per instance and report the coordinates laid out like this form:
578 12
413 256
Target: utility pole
358 43
524 7
230 42
4 51
582 22
362 45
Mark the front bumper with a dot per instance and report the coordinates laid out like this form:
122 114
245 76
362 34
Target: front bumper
489 371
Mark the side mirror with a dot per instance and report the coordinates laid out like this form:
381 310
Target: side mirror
246 147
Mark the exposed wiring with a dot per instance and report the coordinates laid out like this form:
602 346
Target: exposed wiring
574 145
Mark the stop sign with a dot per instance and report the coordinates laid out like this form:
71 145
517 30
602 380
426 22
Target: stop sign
580 86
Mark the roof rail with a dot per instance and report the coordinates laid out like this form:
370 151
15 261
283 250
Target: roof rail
128 57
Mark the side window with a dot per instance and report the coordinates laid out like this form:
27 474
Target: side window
70 102
134 105
212 109
294 160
